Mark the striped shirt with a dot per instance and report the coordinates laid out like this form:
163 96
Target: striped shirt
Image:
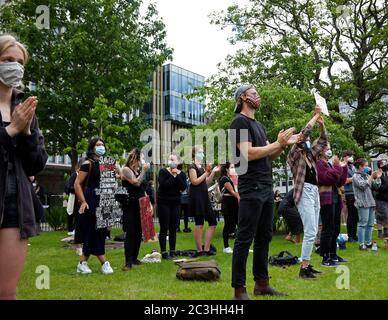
362 188
297 162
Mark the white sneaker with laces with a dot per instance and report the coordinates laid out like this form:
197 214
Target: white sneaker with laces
106 268
228 250
83 268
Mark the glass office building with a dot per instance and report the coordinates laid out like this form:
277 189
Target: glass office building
177 107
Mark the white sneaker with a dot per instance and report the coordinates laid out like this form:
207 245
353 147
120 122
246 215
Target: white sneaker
71 233
78 251
83 268
106 268
228 250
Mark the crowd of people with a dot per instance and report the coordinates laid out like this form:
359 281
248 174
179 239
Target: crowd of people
315 202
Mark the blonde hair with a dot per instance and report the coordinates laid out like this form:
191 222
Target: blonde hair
7 41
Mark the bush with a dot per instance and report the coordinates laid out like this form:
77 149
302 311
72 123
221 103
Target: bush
56 217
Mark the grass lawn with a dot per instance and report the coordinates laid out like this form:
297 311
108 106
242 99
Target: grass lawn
368 274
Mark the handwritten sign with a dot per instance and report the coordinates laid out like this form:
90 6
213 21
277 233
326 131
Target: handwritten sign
108 211
320 101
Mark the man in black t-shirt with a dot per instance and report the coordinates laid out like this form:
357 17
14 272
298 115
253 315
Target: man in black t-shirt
253 156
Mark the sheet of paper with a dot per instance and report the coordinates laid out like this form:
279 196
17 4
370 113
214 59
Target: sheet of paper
320 101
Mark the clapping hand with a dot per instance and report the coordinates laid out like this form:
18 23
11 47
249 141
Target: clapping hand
284 136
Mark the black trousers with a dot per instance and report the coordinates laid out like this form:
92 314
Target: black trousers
293 220
331 227
133 237
255 218
351 223
168 214
229 208
185 211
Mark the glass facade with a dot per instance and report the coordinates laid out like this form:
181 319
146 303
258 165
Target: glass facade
177 83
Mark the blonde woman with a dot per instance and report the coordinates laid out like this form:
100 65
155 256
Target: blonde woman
22 154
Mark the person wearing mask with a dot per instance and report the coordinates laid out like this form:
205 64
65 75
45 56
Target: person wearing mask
363 182
172 182
133 175
199 202
330 178
229 205
253 155
85 185
352 219
382 200
302 160
290 213
22 155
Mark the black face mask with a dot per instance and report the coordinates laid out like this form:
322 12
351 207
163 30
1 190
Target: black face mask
385 168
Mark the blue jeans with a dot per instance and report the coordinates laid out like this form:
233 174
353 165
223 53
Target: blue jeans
308 207
366 219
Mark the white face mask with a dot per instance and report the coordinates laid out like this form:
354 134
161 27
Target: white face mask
11 74
329 154
351 159
172 164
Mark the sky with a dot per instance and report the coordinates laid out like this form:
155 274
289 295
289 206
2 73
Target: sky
198 45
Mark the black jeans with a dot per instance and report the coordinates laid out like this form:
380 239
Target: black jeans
133 237
168 213
351 223
331 227
255 218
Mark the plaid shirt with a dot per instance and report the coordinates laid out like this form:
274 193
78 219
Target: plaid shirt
297 162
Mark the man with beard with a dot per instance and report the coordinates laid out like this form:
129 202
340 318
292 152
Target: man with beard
253 156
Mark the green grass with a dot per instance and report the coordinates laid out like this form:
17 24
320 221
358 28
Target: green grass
368 274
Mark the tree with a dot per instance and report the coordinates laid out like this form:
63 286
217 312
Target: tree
92 48
336 46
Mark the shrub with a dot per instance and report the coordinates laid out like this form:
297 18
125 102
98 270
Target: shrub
56 217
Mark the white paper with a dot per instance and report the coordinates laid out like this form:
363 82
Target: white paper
321 102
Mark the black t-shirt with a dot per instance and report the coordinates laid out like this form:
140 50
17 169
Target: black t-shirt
94 178
258 170
222 183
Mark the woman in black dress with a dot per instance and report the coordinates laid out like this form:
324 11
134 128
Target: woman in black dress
133 175
22 154
229 205
171 184
199 202
85 185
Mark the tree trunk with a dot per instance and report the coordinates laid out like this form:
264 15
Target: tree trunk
74 159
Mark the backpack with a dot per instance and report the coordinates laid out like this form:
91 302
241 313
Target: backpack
283 260
199 270
218 193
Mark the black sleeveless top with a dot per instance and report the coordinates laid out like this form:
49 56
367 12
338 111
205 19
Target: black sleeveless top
134 192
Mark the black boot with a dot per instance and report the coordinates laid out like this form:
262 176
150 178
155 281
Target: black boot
262 288
240 294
